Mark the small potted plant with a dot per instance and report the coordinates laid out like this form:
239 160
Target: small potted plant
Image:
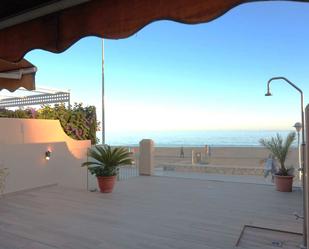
280 148
104 164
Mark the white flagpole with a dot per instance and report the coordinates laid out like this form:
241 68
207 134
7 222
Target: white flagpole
103 97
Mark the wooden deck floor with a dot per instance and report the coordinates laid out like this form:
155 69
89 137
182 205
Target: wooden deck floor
144 212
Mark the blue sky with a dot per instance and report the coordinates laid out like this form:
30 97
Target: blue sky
212 76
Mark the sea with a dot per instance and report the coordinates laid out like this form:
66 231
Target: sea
192 138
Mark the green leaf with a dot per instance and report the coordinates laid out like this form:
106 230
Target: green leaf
107 160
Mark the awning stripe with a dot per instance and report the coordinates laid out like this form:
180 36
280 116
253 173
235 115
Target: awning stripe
113 19
25 70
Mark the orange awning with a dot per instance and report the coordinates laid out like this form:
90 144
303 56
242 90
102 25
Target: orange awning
16 75
61 27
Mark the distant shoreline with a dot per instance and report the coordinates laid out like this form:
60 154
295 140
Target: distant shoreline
192 146
195 146
193 139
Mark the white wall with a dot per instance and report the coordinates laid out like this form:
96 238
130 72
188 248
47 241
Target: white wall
23 143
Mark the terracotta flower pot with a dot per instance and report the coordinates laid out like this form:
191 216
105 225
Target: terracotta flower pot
106 183
284 183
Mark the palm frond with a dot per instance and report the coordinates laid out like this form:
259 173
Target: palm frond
279 148
90 163
107 159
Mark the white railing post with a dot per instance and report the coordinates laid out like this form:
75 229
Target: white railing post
305 172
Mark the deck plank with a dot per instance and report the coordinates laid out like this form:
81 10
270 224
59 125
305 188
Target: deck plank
145 212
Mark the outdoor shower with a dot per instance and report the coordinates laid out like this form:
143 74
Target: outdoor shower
303 151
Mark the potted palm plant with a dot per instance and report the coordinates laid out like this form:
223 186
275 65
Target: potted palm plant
104 164
280 148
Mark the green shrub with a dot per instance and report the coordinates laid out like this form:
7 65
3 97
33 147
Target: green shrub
78 122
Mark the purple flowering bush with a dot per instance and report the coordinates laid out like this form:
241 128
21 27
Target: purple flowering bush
78 122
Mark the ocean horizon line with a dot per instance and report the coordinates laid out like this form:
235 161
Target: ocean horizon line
194 139
200 130
191 146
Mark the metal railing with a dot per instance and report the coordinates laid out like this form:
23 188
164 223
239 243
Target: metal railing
126 172
39 99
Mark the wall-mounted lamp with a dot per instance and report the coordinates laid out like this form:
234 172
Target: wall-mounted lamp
47 155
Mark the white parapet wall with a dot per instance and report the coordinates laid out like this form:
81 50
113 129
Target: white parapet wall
23 143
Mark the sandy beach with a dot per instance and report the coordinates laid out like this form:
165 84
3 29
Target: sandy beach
220 156
219 160
227 164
